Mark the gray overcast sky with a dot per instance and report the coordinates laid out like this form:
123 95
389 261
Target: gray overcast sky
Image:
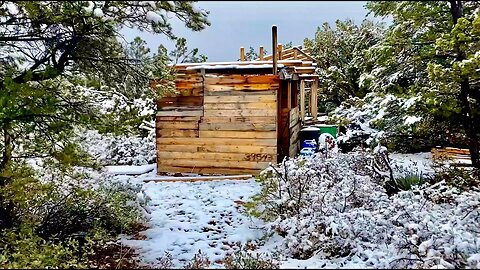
236 24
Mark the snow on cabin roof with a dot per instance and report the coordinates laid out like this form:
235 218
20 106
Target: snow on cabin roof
222 63
233 66
242 63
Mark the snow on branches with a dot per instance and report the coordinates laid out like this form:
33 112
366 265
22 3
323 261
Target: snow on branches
334 209
375 117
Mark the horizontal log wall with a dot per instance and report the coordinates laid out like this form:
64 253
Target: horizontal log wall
233 133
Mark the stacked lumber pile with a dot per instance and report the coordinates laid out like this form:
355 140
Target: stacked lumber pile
458 156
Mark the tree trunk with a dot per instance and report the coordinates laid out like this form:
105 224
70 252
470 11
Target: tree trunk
468 118
6 206
7 142
469 123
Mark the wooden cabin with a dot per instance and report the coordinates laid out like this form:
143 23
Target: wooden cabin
235 117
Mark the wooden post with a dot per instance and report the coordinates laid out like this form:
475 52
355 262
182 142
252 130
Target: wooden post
313 99
295 54
280 49
289 94
274 48
302 100
242 54
261 53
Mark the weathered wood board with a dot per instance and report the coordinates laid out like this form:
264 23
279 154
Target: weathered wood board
294 126
217 149
198 178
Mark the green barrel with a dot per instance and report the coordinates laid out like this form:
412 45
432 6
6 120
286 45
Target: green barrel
330 129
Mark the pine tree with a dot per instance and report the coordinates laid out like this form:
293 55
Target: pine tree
340 54
50 52
432 48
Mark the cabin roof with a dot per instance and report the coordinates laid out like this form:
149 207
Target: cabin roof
295 60
233 65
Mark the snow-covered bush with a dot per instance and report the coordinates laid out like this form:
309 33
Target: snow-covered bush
128 137
460 177
110 149
243 259
332 208
286 190
385 118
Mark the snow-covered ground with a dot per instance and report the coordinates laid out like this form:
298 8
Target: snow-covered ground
422 161
185 217
130 170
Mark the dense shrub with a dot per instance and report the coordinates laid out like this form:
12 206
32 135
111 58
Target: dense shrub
22 248
110 149
243 259
334 209
129 137
389 119
463 178
199 261
45 224
240 259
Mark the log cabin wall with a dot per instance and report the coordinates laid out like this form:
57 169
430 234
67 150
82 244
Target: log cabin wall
218 123
177 122
234 117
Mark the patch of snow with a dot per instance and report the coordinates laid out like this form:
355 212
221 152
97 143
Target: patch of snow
474 260
322 118
380 115
363 78
148 3
310 129
410 102
89 8
196 10
374 229
422 162
187 217
154 17
98 12
113 9
12 8
130 169
111 149
332 68
409 120
379 149
438 266
171 4
232 66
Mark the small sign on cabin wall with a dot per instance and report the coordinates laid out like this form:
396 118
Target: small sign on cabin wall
258 157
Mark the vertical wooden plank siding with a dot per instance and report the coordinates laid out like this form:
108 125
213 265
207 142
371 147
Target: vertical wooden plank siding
313 99
302 100
294 127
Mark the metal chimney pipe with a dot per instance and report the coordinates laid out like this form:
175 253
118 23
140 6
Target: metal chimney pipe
242 54
274 49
